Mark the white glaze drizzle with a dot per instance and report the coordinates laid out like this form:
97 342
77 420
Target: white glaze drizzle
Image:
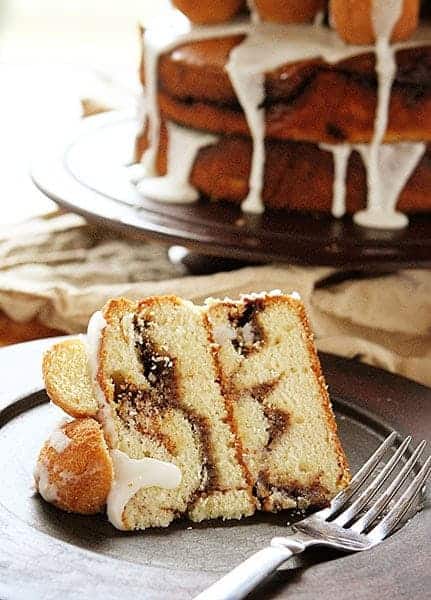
46 489
340 154
96 325
131 475
384 16
162 36
264 294
183 145
268 46
136 172
58 440
252 296
250 90
223 334
319 17
254 14
395 165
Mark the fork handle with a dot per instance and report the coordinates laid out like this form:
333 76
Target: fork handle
246 576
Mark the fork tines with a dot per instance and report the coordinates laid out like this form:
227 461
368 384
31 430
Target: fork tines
360 506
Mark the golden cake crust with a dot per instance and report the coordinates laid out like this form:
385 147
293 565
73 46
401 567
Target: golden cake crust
210 12
306 101
344 477
351 18
293 11
67 379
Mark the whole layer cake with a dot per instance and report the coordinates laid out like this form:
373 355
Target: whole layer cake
208 412
291 115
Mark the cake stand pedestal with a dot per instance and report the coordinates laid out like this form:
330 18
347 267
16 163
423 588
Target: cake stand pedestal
204 264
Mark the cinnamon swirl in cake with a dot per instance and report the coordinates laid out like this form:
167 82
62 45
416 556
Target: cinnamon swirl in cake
211 411
292 105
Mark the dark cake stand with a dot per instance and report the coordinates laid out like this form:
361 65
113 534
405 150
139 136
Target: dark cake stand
86 173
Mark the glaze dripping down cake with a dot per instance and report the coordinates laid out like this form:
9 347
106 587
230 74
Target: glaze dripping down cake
211 411
290 105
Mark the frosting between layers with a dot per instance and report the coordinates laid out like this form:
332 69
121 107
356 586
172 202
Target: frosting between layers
340 154
266 47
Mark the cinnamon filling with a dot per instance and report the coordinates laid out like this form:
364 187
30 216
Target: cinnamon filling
287 84
273 497
278 423
139 409
144 408
278 419
248 332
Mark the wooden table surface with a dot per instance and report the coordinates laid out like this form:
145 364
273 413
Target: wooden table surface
13 333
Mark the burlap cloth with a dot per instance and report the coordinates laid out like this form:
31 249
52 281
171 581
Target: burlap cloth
61 269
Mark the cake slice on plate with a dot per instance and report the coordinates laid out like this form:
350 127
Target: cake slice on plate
211 411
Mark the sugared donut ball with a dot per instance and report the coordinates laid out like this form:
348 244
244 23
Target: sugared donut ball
204 12
353 20
74 469
289 11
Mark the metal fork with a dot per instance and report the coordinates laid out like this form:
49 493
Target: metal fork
351 523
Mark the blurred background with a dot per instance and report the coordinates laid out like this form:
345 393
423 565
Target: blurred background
53 53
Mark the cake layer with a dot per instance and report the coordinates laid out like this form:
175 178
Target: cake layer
270 375
309 100
297 175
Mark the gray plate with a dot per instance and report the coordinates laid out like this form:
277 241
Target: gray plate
46 553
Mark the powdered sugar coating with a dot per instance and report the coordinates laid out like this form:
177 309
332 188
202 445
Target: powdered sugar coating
59 441
46 488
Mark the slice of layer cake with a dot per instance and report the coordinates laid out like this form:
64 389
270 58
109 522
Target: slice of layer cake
270 376
209 412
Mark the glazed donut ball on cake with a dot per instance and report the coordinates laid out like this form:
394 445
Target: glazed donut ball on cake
207 12
74 468
353 20
289 11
